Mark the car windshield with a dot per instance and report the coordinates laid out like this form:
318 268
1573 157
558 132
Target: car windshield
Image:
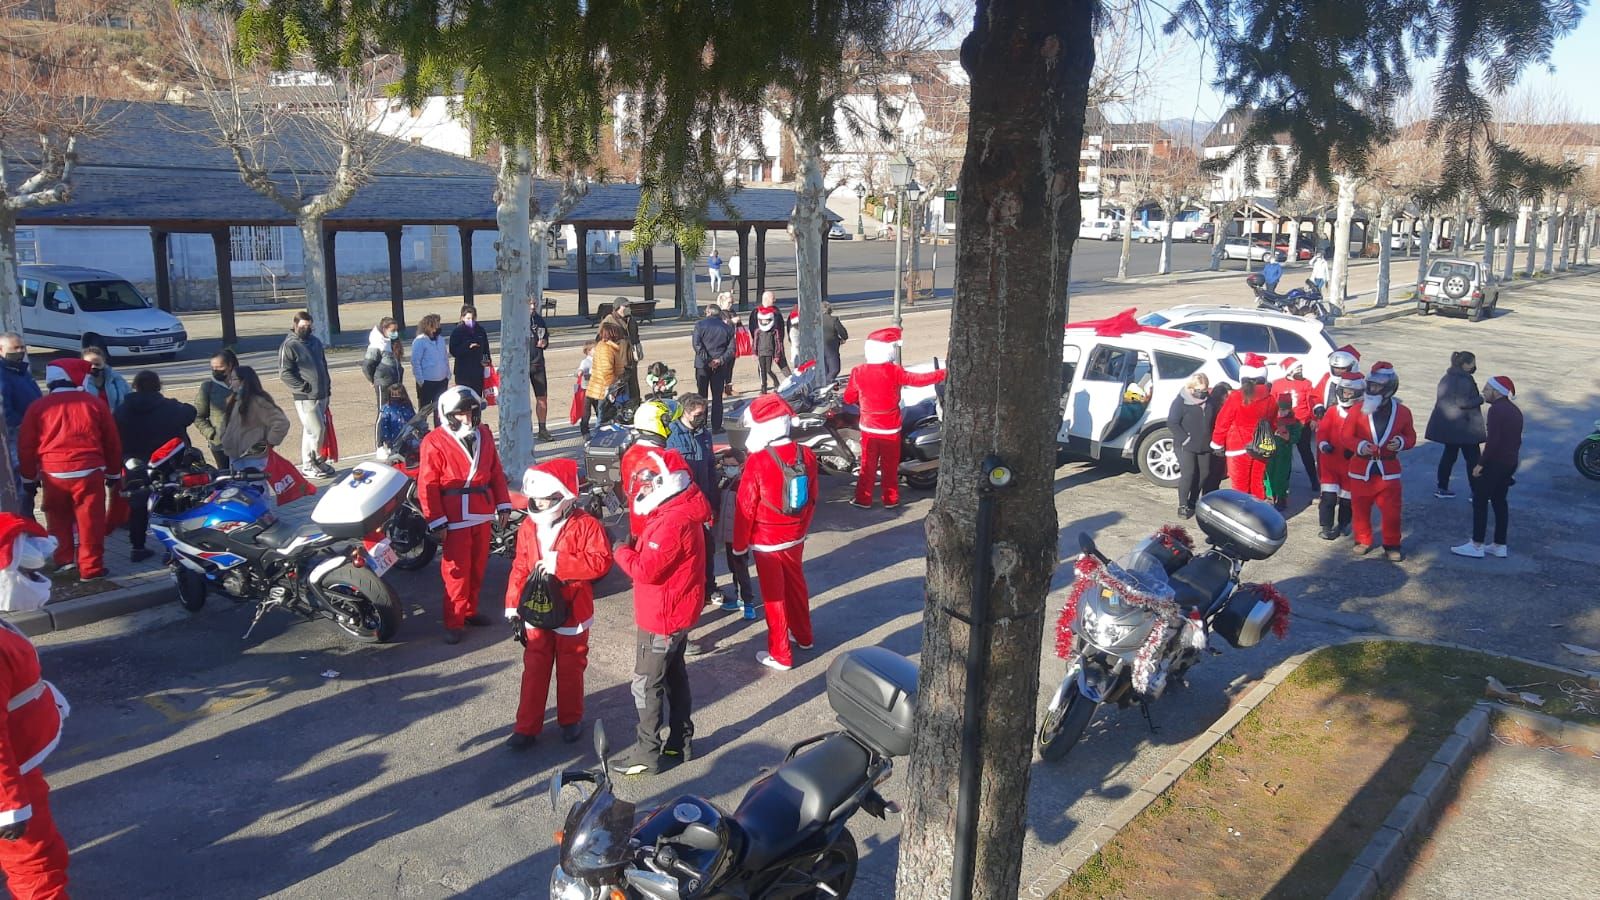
1154 320
107 296
1444 269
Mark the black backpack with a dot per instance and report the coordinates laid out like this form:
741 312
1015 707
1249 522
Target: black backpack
796 483
541 604
1265 442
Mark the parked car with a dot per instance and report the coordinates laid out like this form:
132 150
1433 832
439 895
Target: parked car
1302 252
1272 334
1402 241
1458 286
837 232
1239 248
1147 234
1118 380
69 308
1203 233
1100 229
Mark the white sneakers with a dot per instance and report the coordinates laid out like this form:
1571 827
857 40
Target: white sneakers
771 662
1479 551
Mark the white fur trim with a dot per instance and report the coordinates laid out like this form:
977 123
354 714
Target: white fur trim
879 351
13 816
765 434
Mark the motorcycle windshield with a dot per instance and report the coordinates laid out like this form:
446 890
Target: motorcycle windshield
598 841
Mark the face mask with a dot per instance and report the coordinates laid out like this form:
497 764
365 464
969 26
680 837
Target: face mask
394 335
468 321
1200 393
16 356
220 375
97 371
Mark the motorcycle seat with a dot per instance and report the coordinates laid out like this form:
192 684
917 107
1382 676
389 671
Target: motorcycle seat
281 534
780 809
1198 584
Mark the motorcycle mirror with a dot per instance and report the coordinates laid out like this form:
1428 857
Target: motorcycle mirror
601 748
1086 544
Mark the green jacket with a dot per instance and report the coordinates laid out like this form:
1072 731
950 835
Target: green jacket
210 406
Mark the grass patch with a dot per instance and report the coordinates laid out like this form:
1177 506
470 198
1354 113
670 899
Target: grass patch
1283 805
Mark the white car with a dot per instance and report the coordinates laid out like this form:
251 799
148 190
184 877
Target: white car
69 308
1147 234
1239 248
1100 229
1118 381
1274 335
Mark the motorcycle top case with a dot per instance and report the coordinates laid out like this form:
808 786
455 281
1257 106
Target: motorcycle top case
361 500
1240 525
602 455
874 693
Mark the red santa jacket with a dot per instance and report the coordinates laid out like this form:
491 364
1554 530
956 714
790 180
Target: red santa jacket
460 488
758 519
1237 420
876 387
1370 458
637 453
30 720
1323 394
667 562
68 433
1333 465
581 551
1300 393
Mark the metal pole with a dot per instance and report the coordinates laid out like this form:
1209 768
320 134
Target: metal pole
899 233
963 865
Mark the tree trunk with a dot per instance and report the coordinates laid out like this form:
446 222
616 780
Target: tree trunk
1029 63
1424 247
1488 250
1550 241
1218 235
1511 252
686 289
810 222
1533 243
1127 240
1345 213
1566 239
1385 233
316 275
515 259
10 296
1164 266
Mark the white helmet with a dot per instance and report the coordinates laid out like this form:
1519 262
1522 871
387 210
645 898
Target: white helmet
1342 359
461 410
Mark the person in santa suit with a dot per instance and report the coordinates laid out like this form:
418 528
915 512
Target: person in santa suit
462 489
1333 457
68 442
767 334
666 560
875 385
1235 431
771 525
1301 393
652 423
1377 434
569 550
1342 363
33 854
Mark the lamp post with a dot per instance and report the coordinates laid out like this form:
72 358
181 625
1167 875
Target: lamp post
861 198
899 176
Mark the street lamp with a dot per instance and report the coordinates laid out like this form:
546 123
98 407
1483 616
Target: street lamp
900 176
861 198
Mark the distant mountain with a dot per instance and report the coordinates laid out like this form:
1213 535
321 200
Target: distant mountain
1187 132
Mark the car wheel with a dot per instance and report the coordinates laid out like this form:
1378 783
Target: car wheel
1424 309
1105 237
1158 458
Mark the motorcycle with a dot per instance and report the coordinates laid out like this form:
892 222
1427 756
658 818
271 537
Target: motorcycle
1305 301
220 530
787 838
413 543
1129 630
1587 454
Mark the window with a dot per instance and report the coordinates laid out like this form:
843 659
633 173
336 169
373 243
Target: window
1205 328
1109 364
1069 365
1153 319
58 299
1143 371
1245 337
1288 342
1230 366
108 296
1176 365
29 288
27 246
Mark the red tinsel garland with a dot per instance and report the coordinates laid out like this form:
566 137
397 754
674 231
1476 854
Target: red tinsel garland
1280 609
1174 536
1083 576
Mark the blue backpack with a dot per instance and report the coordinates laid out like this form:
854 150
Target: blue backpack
796 483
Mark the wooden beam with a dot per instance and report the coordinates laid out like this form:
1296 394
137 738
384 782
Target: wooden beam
330 272
678 299
761 262
465 233
397 283
222 244
158 246
744 269
647 274
583 270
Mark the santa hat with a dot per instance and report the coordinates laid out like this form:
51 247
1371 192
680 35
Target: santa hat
882 345
794 314
1289 364
72 370
1504 385
23 545
1383 371
556 477
1253 365
13 526
1352 351
670 473
768 420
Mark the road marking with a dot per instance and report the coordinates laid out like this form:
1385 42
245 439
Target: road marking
169 703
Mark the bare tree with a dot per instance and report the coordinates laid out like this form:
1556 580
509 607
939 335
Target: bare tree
1176 183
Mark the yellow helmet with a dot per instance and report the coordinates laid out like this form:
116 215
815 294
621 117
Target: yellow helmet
652 416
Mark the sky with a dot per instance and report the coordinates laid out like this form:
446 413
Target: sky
1182 87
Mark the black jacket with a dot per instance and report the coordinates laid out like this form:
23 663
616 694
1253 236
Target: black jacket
713 339
146 421
779 329
1190 424
833 332
383 369
469 363
1457 416
303 366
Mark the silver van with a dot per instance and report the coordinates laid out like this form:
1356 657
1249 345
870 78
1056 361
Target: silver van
69 308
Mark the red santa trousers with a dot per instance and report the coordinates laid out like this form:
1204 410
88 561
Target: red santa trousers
786 598
568 656
466 554
36 863
880 462
1248 474
1385 494
81 502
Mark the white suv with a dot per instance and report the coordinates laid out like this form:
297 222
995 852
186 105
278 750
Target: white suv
1272 334
1102 415
1100 229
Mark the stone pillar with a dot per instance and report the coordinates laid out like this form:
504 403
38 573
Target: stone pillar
583 271
647 273
223 245
466 264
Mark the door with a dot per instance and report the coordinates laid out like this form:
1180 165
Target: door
1070 356
1098 395
57 319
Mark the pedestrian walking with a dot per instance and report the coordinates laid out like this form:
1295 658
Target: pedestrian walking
538 341
1302 400
104 381
1217 468
689 436
33 854
430 362
777 497
1272 273
714 349
211 403
561 552
384 367
579 413
1334 454
1238 429
714 270
146 421
1378 434
622 317
469 348
18 391
767 333
875 385
1491 479
1319 269
665 559
1457 419
303 368
608 361
1191 438
462 488
68 443
252 424
834 334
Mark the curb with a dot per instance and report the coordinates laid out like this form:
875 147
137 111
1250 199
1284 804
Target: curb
1383 316
68 614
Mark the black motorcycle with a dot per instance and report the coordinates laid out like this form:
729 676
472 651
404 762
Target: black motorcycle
1305 301
788 837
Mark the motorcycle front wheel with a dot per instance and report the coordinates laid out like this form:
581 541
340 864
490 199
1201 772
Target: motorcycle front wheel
1063 725
191 588
363 598
835 870
923 481
1587 458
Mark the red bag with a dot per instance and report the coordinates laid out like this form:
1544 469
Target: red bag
491 385
576 412
742 344
285 481
329 448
